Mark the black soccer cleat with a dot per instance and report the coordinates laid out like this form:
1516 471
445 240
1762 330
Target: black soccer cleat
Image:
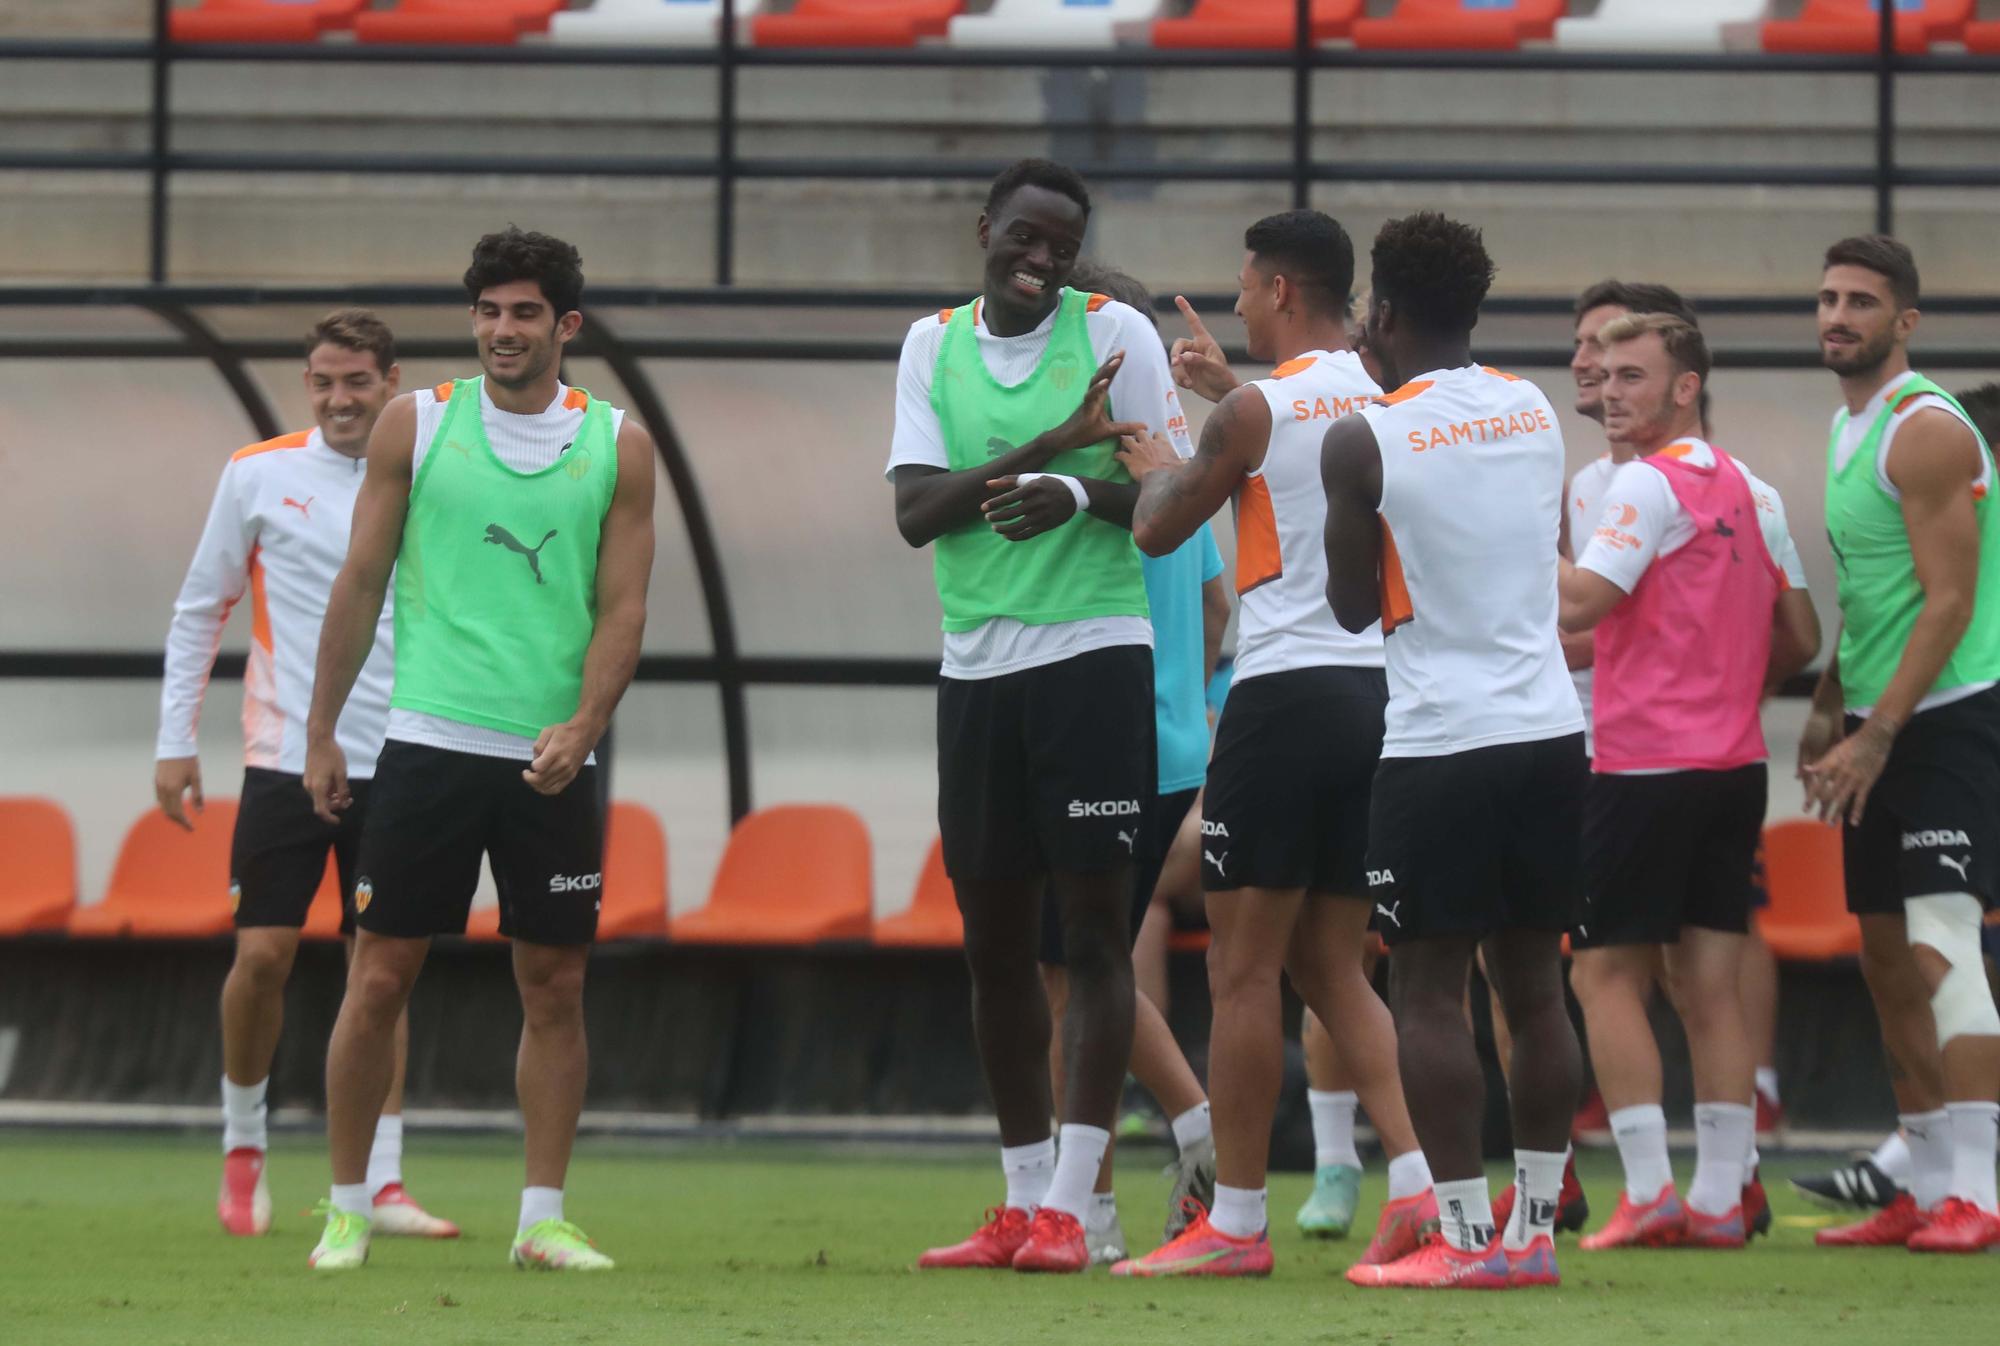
1858 1186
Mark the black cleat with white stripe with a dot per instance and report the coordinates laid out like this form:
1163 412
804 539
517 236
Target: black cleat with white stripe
1858 1186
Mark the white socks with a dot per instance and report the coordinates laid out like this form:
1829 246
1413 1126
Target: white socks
1239 1211
1724 1134
1079 1155
1333 1127
1973 1130
1928 1135
1409 1175
1465 1213
1103 1213
385 1159
243 1116
1538 1180
1767 1082
1192 1127
353 1198
539 1204
1641 1133
1028 1169
1892 1156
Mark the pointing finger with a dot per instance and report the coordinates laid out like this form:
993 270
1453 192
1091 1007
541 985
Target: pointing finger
1193 320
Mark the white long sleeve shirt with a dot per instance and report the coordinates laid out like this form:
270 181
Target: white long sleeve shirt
278 529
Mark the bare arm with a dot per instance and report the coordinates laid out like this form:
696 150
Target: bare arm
347 633
624 565
1795 637
1214 621
1350 468
1177 496
930 501
1587 598
1579 648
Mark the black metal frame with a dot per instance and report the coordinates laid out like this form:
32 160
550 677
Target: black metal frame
728 668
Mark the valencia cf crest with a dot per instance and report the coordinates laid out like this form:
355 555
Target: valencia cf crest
1062 371
364 893
577 464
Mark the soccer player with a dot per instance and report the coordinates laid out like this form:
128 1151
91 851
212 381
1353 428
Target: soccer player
1443 509
1694 589
1182 661
278 530
1284 809
517 516
1007 412
1903 742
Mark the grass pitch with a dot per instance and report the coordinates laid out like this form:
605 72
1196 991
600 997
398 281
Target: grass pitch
112 1239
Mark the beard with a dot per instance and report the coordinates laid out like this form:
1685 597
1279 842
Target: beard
1864 357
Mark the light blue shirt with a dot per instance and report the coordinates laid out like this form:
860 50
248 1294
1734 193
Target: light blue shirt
1180 704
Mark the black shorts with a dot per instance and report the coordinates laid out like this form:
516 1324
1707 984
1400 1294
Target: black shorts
1932 824
1667 851
436 812
1478 841
1288 787
277 854
1047 769
1163 817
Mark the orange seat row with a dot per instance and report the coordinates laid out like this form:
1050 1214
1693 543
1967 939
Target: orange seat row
469 22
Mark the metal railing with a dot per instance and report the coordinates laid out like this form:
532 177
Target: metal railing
727 668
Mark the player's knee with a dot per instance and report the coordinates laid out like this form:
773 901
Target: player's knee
1947 925
264 964
378 989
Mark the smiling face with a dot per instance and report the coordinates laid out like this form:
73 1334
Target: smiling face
1586 364
348 390
520 334
1860 323
1031 239
1258 304
1647 401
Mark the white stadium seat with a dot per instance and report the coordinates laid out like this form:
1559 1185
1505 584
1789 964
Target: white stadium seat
1055 23
691 23
1649 25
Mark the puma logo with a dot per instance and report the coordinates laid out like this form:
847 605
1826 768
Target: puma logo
500 537
1390 912
995 446
1219 861
306 508
1958 865
1131 840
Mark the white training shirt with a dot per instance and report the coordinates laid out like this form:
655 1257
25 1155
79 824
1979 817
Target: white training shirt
277 529
1642 519
1849 443
1283 620
1472 494
525 444
1142 391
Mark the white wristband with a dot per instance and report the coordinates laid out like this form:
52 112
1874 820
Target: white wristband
1075 487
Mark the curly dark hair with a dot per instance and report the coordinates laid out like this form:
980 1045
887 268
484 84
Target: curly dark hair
1309 249
517 254
1887 257
1433 271
1044 173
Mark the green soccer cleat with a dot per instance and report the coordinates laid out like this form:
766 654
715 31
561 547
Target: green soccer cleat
343 1246
1329 1211
557 1245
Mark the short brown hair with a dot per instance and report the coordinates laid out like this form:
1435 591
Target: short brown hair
354 329
1636 297
1982 404
1887 257
1683 340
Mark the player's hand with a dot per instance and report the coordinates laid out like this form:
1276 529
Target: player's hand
174 777
560 752
1823 730
1197 358
1091 422
1837 785
1145 454
1021 511
326 780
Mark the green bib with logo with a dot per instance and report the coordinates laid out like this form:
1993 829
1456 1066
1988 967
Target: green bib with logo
496 581
1879 592
1087 567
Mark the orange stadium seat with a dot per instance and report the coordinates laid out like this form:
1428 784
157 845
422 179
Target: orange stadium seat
262 20
855 23
635 880
793 874
1807 920
37 865
1188 941
472 23
1456 25
167 884
1253 24
932 920
1854 26
1983 38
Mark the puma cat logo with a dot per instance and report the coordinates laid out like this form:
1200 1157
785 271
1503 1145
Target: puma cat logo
500 537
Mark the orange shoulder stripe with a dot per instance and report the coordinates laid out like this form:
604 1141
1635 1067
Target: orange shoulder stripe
577 400
442 392
944 316
1501 374
1096 302
1298 366
295 440
1406 392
